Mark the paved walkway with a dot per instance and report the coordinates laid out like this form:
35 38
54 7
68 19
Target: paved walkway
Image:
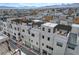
23 48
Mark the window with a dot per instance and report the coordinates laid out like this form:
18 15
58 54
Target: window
78 33
42 44
49 47
71 47
49 54
77 14
49 30
18 29
48 39
31 40
43 36
28 32
14 38
15 28
33 35
23 30
22 36
4 25
43 29
10 25
4 32
52 9
18 33
44 52
14 33
36 43
72 41
59 44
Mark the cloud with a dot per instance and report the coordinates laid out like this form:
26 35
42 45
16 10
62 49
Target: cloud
25 4
39 1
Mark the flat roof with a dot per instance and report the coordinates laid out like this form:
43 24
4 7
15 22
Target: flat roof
1 37
75 25
50 24
36 20
64 27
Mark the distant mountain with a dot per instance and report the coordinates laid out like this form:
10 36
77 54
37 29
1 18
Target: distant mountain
4 7
24 7
27 7
75 5
21 6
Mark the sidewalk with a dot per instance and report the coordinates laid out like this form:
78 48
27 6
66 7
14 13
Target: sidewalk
21 45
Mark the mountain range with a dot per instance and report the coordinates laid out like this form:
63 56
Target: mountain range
26 6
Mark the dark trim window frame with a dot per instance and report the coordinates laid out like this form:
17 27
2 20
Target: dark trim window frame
49 47
48 38
31 40
60 44
33 35
23 30
15 28
71 48
49 30
36 43
43 29
43 36
22 36
42 44
14 33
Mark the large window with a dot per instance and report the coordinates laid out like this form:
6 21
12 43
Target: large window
59 44
72 47
72 41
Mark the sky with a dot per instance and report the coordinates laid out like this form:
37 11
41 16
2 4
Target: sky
40 1
26 4
37 3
